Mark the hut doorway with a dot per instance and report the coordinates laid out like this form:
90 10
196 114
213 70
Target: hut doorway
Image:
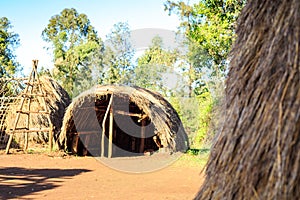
121 129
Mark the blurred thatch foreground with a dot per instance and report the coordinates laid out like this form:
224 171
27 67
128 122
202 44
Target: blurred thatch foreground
256 155
57 101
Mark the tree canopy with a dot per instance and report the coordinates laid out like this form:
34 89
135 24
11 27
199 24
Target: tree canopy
74 42
118 54
153 64
209 27
8 42
210 23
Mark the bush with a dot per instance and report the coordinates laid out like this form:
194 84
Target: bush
196 114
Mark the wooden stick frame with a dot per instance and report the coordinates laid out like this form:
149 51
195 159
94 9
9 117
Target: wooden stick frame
33 80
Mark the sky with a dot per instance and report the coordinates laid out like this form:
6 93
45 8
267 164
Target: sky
30 17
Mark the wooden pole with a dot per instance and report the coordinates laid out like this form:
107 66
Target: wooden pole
40 88
28 118
9 143
27 126
111 127
103 125
142 146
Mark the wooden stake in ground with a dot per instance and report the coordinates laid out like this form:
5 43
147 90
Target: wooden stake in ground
103 125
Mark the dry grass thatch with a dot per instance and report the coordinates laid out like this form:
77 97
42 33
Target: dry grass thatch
57 101
165 119
256 154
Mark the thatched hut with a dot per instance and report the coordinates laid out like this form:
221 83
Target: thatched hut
256 154
121 121
56 100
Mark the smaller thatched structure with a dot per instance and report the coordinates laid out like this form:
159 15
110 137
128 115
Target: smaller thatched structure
123 121
56 100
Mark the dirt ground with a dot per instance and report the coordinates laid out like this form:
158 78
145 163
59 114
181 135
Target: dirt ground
43 176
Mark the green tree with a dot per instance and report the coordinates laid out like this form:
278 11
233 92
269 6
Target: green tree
210 23
8 42
153 64
208 26
118 55
195 65
112 73
76 47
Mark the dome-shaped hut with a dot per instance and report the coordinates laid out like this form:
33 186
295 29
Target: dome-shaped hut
121 121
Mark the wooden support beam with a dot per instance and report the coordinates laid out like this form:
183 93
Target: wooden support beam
33 112
142 146
29 130
8 144
27 122
121 112
111 127
13 79
33 95
96 108
103 125
87 132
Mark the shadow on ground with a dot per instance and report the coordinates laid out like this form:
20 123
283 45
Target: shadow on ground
16 182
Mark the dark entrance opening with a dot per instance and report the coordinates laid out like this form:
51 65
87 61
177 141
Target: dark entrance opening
127 130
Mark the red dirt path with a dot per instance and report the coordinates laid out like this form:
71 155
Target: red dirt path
34 176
